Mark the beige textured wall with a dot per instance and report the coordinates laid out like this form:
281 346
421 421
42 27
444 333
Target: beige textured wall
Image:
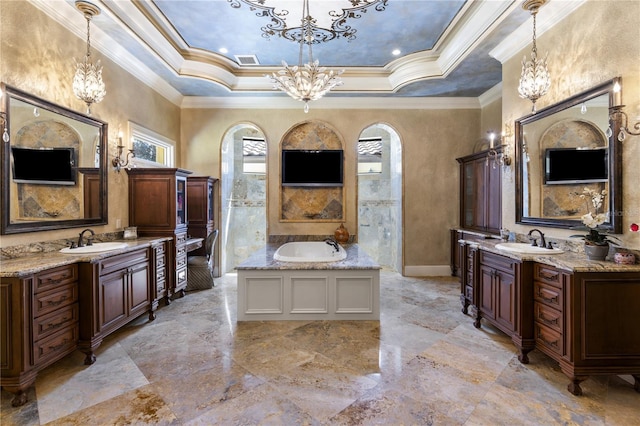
431 140
36 56
597 42
491 118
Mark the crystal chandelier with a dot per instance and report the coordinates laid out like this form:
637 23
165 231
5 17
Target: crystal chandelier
309 81
87 82
534 80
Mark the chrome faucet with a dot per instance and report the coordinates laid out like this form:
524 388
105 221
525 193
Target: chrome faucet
89 240
543 243
333 243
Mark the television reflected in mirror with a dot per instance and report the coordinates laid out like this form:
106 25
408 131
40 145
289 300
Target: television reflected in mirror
54 166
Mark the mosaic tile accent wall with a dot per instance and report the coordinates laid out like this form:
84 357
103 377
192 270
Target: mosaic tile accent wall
312 204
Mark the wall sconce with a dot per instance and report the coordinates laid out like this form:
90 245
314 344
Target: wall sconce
3 118
501 158
616 114
118 162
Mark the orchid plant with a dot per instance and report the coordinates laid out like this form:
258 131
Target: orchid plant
594 218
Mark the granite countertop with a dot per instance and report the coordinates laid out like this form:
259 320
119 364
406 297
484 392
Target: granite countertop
36 262
568 261
263 259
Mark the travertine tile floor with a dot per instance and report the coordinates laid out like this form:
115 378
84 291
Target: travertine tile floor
423 363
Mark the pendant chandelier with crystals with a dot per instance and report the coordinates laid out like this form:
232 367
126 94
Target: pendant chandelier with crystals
309 81
87 82
534 80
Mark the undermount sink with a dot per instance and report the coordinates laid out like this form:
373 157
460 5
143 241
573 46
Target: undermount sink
526 248
95 248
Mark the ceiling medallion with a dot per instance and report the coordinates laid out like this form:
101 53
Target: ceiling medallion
329 23
306 81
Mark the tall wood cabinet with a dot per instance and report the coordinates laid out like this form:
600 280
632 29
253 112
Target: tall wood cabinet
158 207
480 193
200 208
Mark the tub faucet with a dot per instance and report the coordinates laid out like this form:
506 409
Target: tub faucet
543 243
89 240
333 243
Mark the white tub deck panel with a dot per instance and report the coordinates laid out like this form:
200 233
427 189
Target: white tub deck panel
344 290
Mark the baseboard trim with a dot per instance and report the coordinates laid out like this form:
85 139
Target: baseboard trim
427 270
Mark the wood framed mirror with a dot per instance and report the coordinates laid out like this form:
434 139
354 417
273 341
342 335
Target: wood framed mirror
560 151
54 167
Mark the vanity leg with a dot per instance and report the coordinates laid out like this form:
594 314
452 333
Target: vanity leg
636 385
523 356
152 314
19 399
477 317
574 385
167 300
465 304
89 358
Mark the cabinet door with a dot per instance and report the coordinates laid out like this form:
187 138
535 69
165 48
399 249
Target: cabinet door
506 299
486 296
113 289
139 297
480 190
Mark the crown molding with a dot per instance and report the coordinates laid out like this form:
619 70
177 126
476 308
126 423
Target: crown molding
551 14
491 95
281 102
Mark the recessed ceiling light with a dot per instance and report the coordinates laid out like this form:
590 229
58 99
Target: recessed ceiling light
395 52
223 50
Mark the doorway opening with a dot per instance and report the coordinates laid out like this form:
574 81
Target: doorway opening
380 195
243 195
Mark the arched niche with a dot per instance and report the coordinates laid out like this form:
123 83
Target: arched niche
306 204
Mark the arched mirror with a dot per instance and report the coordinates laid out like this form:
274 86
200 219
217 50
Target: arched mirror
54 171
560 151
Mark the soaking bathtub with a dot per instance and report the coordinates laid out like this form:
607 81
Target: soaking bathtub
309 251
301 289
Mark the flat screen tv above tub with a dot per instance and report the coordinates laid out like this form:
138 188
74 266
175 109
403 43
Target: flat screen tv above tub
312 168
575 165
47 166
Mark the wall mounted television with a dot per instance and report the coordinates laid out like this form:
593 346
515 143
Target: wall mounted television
312 168
575 165
47 166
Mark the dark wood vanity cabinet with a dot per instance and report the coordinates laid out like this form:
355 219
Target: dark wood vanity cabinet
200 208
468 273
115 291
589 322
480 193
503 296
158 274
158 208
38 325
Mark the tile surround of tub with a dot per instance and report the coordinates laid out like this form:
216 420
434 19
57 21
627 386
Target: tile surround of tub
422 363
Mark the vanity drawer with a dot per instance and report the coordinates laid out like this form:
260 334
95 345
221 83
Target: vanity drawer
497 261
46 302
160 261
181 239
49 324
547 275
59 343
548 338
161 285
548 316
549 295
55 277
181 277
124 260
